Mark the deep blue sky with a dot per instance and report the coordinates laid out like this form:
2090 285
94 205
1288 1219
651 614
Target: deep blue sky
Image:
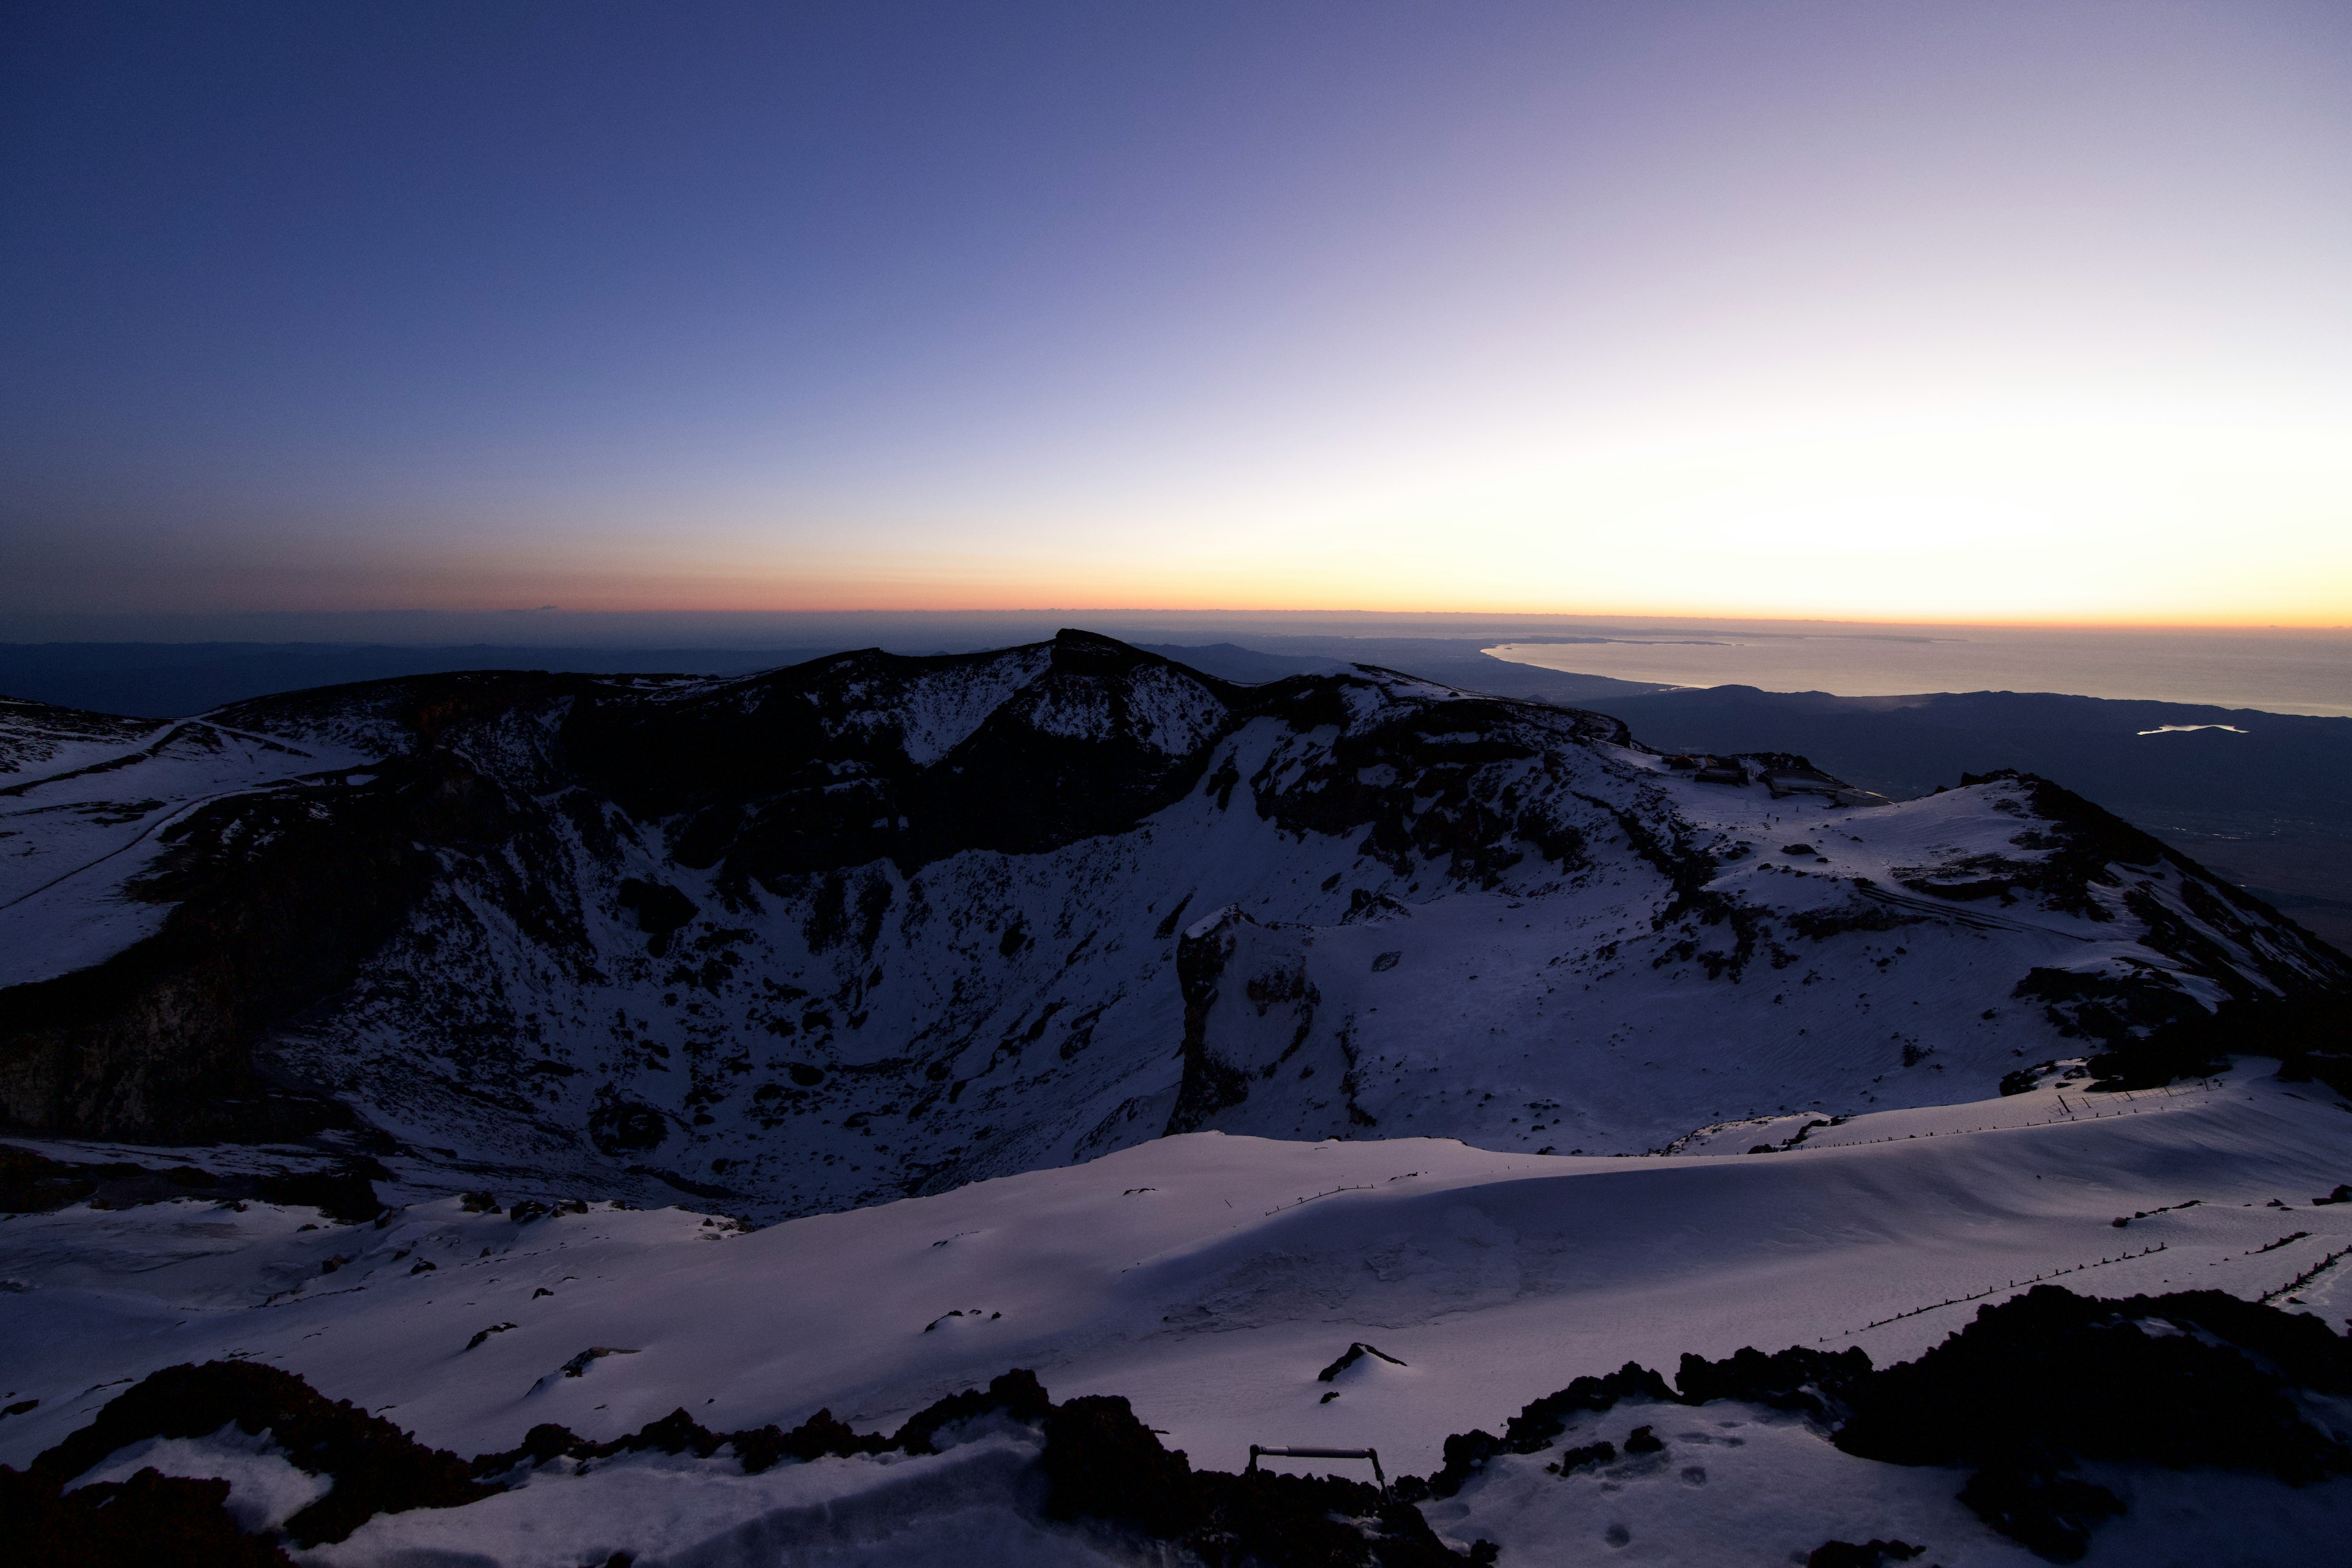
1989 310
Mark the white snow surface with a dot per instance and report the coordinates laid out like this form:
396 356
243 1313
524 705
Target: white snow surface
960 1509
37 741
79 826
1208 1278
936 713
266 1489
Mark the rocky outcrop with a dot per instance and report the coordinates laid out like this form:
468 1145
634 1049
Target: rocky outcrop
2023 1396
275 899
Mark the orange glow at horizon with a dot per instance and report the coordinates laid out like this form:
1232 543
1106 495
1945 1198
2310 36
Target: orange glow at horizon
2026 315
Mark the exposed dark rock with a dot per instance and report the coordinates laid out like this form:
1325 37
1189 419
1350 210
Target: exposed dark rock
2310 1033
150 1520
1355 1353
579 1364
1421 786
2049 1513
1602 1453
2112 1009
2028 1390
375 1466
755 774
1812 1383
1103 1463
1536 1426
278 896
2048 1378
1314 1521
1173 917
620 1126
1820 925
542 1443
34 1184
1872 1553
2079 1375
2085 840
1016 1394
346 1192
660 908
1209 1084
813 1438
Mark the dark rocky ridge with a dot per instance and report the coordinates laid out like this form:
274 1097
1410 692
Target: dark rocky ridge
340 1189
2031 1389
277 899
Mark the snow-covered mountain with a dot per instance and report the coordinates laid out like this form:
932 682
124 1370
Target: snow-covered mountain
876 925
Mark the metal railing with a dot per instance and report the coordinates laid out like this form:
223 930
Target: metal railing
1296 1453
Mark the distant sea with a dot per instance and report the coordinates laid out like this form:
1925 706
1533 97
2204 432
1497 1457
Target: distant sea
2278 672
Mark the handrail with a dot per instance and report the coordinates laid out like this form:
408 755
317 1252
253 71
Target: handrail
1288 1452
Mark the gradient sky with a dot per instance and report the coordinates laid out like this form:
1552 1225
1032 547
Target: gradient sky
1889 310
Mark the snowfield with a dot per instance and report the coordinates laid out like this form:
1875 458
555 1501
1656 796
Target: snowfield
1209 1279
82 816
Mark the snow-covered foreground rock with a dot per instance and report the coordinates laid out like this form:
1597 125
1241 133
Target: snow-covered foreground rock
1209 1278
875 926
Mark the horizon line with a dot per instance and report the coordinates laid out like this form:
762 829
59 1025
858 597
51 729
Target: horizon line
1050 610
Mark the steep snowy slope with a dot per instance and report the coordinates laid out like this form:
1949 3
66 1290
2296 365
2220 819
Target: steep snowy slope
87 801
37 740
1216 1280
876 925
